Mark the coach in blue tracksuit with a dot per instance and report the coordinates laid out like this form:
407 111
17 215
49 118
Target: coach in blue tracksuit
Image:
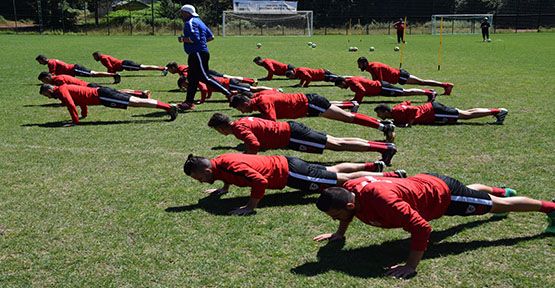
195 36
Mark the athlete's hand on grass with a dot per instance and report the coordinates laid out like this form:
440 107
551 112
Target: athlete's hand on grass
242 211
216 192
328 236
401 271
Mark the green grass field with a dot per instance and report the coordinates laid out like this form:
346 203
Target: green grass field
88 205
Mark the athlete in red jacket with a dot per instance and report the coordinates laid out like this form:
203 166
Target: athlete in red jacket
275 105
412 202
116 65
404 114
366 87
272 66
307 75
273 172
82 96
58 80
261 134
383 72
58 67
231 84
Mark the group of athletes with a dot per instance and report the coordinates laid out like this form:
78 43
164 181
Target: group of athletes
347 190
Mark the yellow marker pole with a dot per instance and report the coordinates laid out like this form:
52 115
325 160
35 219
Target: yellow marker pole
440 44
403 46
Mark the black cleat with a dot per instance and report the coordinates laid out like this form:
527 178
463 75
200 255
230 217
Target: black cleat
173 113
117 78
401 173
389 153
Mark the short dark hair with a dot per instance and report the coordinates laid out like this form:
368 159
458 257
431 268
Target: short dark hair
43 75
339 81
382 108
362 59
238 99
257 59
218 120
333 198
45 87
172 64
195 163
289 72
96 53
41 57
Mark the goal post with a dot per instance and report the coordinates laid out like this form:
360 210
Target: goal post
459 23
249 23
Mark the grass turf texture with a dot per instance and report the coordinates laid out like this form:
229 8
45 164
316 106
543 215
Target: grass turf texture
107 204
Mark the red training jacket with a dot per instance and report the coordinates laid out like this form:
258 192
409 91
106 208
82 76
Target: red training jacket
383 72
58 67
255 171
259 133
72 95
113 64
307 75
405 113
66 79
401 203
275 105
363 87
274 67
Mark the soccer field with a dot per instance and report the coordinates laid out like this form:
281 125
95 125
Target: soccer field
107 204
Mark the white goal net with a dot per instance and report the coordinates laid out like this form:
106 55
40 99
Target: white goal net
459 23
246 24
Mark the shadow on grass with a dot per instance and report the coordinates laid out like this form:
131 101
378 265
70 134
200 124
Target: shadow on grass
311 86
58 124
217 206
239 147
465 123
140 75
156 114
45 105
369 262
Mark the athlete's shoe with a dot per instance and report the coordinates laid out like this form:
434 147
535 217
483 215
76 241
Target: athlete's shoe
164 72
355 107
185 106
388 154
146 94
389 132
432 96
401 173
280 90
551 222
117 78
448 87
380 165
501 116
255 83
508 193
173 112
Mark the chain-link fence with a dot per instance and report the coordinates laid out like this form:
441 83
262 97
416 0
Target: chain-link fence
157 18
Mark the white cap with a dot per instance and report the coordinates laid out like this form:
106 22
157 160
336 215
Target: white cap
189 9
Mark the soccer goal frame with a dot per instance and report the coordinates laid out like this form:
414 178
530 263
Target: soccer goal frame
301 23
459 23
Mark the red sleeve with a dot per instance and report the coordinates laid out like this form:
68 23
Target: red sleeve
68 101
106 62
271 70
359 91
305 77
267 110
84 110
410 220
204 91
52 66
245 134
258 183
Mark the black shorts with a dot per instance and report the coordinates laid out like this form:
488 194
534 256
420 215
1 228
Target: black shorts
390 90
465 201
214 73
404 77
113 98
305 139
82 71
234 84
93 85
317 104
445 114
129 65
309 177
